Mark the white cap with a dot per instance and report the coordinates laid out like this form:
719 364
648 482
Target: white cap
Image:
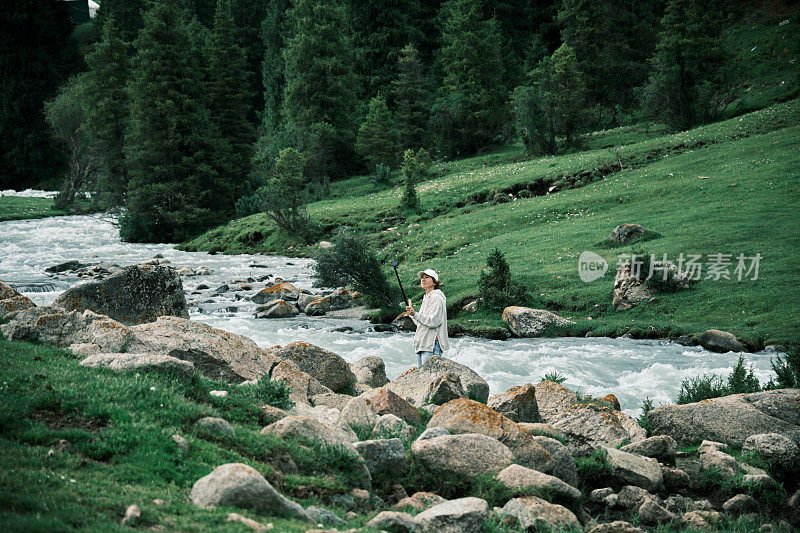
429 272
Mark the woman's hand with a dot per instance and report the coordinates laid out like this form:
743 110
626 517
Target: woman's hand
410 309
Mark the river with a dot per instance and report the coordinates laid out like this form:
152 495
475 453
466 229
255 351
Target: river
631 369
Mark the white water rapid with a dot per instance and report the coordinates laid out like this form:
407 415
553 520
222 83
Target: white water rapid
631 369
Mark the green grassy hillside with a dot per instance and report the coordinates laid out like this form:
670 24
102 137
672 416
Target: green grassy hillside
19 208
730 187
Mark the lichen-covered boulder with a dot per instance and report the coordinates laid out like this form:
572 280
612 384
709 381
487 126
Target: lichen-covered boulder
467 454
382 456
239 485
303 386
7 291
517 403
325 366
730 419
774 447
216 353
562 465
415 384
586 426
278 291
553 399
636 470
277 309
14 303
136 295
661 447
526 322
339 299
122 362
446 387
519 477
358 413
625 233
468 416
720 341
533 512
464 515
386 402
370 370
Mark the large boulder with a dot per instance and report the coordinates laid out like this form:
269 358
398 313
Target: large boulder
279 291
415 384
11 300
121 362
631 286
661 447
137 294
625 233
310 429
562 465
7 291
382 456
67 329
730 419
586 426
277 309
446 387
774 447
468 416
466 455
519 477
464 515
339 299
634 469
517 403
239 485
303 386
553 399
386 402
216 353
370 370
720 341
327 367
526 322
394 522
533 512
358 413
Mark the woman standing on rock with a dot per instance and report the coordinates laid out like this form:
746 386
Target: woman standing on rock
431 320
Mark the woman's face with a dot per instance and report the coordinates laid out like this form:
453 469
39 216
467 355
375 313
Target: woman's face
426 282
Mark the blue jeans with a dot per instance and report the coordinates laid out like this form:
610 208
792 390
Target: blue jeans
424 356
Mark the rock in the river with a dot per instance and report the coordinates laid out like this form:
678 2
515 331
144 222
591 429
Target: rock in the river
468 416
519 477
720 341
464 515
339 299
533 512
279 291
526 322
403 322
625 233
121 362
774 447
136 295
585 426
239 485
327 367
634 469
517 403
467 455
730 419
216 353
277 309
370 370
553 399
415 384
63 267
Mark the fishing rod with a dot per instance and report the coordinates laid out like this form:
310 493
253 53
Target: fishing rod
395 264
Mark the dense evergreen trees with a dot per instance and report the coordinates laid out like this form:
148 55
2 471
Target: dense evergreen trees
410 100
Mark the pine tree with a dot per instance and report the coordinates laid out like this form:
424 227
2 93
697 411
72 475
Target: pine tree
127 16
377 137
36 55
472 102
286 194
273 32
496 287
692 79
410 100
320 82
173 150
229 92
107 117
410 171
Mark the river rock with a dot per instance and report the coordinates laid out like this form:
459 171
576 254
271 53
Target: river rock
370 370
63 267
468 416
533 512
62 328
339 299
277 309
464 515
278 291
562 465
239 485
519 477
121 362
467 454
14 303
720 341
327 367
586 426
625 233
358 413
403 322
553 399
634 469
774 447
517 403
415 384
136 295
394 522
730 419
304 299
382 456
661 447
216 353
303 386
526 322
445 388
386 402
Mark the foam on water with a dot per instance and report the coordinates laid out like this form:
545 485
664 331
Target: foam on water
631 369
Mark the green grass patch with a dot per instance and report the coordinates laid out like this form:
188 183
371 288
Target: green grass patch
19 208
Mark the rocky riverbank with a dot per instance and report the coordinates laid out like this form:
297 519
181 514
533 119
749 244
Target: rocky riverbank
565 460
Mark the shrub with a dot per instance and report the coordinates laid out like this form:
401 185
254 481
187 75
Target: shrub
381 173
647 406
593 470
787 370
275 393
286 194
555 376
248 205
496 287
705 387
352 261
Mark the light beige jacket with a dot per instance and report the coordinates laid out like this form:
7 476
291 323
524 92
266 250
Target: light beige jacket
431 321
